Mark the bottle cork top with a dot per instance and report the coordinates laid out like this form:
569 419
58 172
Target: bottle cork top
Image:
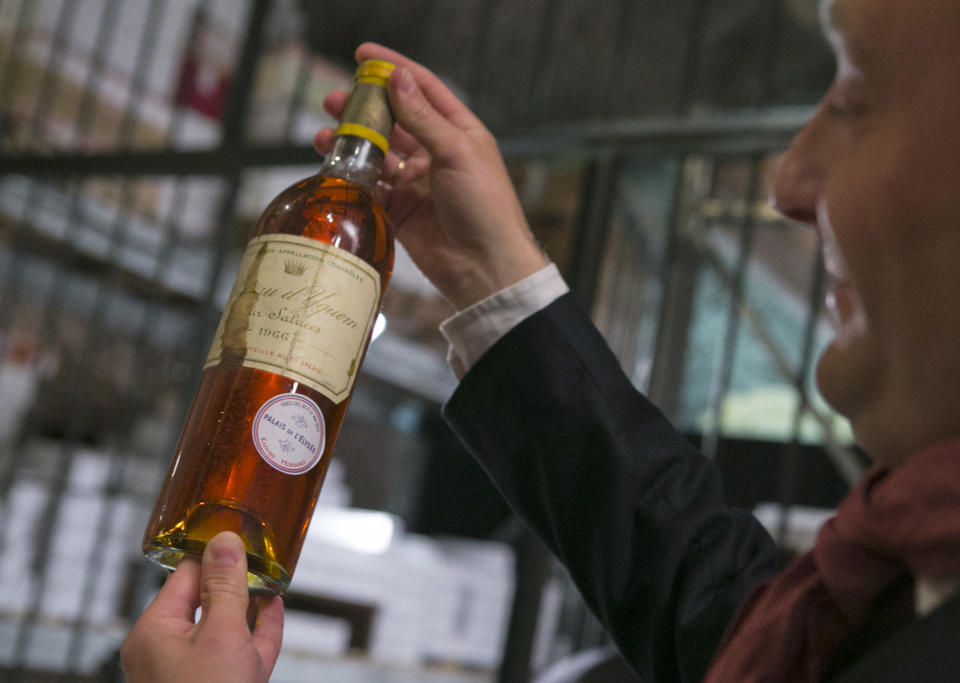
367 113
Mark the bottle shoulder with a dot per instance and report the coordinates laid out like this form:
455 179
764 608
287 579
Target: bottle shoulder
339 212
305 197
334 187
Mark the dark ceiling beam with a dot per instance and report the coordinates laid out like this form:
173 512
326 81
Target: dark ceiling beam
751 131
210 162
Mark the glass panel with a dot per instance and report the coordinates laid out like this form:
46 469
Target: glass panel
761 399
550 193
627 306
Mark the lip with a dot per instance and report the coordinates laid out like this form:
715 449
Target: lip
840 301
840 297
833 263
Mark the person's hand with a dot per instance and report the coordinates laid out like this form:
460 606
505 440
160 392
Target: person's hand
448 193
166 645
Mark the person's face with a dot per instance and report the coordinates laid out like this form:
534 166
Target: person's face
877 172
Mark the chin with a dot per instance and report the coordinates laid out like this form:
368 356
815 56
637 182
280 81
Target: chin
883 446
852 385
841 375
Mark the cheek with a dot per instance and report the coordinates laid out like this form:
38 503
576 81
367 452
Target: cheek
863 212
920 166
891 204
896 220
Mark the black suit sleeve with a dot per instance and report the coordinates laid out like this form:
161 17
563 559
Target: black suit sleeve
634 512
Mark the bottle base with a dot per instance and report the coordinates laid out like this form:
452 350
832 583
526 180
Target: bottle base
265 576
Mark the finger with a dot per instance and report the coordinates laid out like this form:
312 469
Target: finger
403 143
392 165
179 596
323 140
268 633
334 102
383 192
417 115
223 583
434 89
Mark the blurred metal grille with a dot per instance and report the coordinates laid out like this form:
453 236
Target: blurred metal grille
108 292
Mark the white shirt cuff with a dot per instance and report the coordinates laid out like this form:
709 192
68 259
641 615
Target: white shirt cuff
472 331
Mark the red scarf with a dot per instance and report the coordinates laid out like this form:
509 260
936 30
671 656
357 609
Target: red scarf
894 522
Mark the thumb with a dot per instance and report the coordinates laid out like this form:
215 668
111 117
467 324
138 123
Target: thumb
223 582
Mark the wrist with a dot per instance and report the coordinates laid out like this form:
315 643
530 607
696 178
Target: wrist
480 279
473 330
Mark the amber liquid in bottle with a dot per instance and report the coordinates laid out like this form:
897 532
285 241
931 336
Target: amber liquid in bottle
218 479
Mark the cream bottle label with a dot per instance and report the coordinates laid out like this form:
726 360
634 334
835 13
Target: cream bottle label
302 309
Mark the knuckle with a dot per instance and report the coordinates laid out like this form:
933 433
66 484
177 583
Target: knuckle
458 147
217 583
421 111
484 136
215 641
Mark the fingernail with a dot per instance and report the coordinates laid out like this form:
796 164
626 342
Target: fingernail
405 82
226 549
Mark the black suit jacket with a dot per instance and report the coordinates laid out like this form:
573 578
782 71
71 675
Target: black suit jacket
637 515
925 650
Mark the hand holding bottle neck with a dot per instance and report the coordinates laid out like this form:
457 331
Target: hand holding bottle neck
355 159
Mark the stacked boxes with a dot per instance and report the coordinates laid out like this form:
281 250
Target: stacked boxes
432 600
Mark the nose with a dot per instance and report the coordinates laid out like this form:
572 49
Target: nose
801 171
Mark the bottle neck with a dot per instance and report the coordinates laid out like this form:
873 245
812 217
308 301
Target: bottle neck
355 159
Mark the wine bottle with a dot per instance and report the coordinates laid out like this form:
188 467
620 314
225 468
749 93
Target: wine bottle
283 363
